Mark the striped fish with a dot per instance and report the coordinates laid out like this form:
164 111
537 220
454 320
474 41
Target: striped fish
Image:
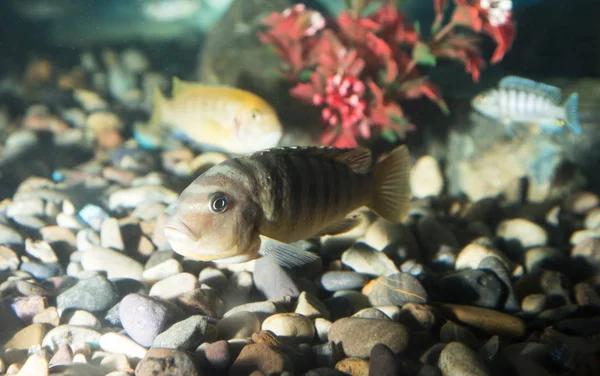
521 100
257 205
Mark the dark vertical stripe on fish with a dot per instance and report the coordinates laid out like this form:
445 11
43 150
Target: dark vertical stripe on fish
293 196
342 181
275 184
246 169
316 181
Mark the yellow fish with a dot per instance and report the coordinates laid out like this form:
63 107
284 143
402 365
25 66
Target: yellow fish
256 205
218 117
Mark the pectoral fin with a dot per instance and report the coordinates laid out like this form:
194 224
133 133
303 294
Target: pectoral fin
342 226
286 255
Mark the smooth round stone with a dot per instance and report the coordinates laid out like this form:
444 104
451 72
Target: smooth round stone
143 317
545 258
342 280
396 289
112 362
203 301
383 362
391 311
456 359
291 325
110 235
310 306
382 233
81 318
87 239
34 206
484 286
9 236
42 270
114 263
322 327
262 358
582 202
172 287
184 335
471 255
522 232
167 362
353 366
216 355
417 316
30 222
9 260
27 337
148 211
95 294
534 303
213 277
366 260
592 219
238 325
272 280
371 313
70 335
426 177
40 250
36 365
163 270
357 336
264 308
453 332
133 197
117 343
488 320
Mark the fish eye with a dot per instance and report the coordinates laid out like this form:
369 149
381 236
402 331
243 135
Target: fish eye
255 115
217 203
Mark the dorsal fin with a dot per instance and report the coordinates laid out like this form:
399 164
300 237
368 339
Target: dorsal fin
180 86
357 159
526 84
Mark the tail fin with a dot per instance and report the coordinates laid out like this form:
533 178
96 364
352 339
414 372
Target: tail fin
571 113
391 178
159 101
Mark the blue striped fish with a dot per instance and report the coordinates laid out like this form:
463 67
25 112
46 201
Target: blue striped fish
260 204
521 100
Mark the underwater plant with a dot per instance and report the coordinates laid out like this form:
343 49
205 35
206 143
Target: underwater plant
357 67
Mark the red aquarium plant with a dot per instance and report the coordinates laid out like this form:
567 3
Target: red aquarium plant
357 67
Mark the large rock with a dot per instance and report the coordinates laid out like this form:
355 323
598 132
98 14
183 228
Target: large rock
233 55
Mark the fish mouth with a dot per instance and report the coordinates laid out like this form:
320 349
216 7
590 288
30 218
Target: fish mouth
176 230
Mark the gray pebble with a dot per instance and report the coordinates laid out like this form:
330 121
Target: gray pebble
262 309
184 335
397 289
238 325
143 317
486 290
273 280
358 336
114 263
457 359
95 294
364 259
9 236
511 304
342 280
41 270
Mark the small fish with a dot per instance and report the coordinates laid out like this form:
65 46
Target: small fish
218 117
523 100
259 204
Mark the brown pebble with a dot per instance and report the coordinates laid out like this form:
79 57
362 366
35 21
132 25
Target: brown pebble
159 361
585 294
260 357
353 366
493 322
